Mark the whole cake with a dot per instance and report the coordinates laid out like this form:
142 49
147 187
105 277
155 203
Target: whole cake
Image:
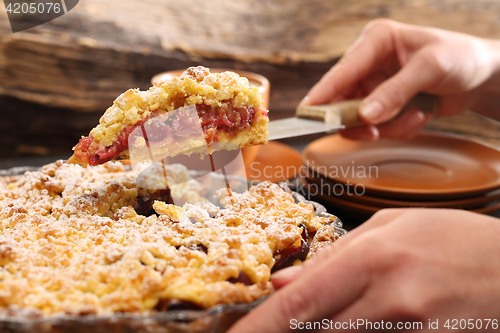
80 241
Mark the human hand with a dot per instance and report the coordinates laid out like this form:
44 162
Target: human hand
401 265
391 62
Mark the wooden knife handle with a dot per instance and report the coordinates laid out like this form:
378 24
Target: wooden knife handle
347 112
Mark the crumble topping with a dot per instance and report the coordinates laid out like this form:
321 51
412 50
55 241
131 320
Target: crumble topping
195 86
324 237
72 242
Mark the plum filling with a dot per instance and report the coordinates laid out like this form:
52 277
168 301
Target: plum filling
285 258
169 305
144 205
196 247
180 305
225 118
242 278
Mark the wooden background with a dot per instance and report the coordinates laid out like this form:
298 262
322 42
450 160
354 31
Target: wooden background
57 79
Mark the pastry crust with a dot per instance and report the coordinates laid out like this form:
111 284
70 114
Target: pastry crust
197 86
71 242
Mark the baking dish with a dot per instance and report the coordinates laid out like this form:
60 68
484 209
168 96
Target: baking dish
216 319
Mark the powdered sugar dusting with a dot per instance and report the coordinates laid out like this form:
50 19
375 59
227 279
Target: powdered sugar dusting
70 242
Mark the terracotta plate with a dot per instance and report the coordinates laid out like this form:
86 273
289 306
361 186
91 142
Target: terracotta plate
428 167
330 188
274 162
367 210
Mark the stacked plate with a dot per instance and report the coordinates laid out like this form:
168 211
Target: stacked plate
432 170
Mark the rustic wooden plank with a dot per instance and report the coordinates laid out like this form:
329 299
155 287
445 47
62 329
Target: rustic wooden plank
85 58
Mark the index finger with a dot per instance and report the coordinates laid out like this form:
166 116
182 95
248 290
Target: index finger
371 48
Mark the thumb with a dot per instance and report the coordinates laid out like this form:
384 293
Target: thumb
386 101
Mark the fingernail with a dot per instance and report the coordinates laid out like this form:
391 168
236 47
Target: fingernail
420 117
371 111
287 273
304 101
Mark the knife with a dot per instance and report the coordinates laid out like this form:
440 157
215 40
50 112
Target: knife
312 119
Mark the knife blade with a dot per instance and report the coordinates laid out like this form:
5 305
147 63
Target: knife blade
312 119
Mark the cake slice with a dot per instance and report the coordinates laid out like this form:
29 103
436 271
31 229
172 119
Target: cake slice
182 115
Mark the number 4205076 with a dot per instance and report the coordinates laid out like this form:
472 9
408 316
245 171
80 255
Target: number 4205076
462 324
33 8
